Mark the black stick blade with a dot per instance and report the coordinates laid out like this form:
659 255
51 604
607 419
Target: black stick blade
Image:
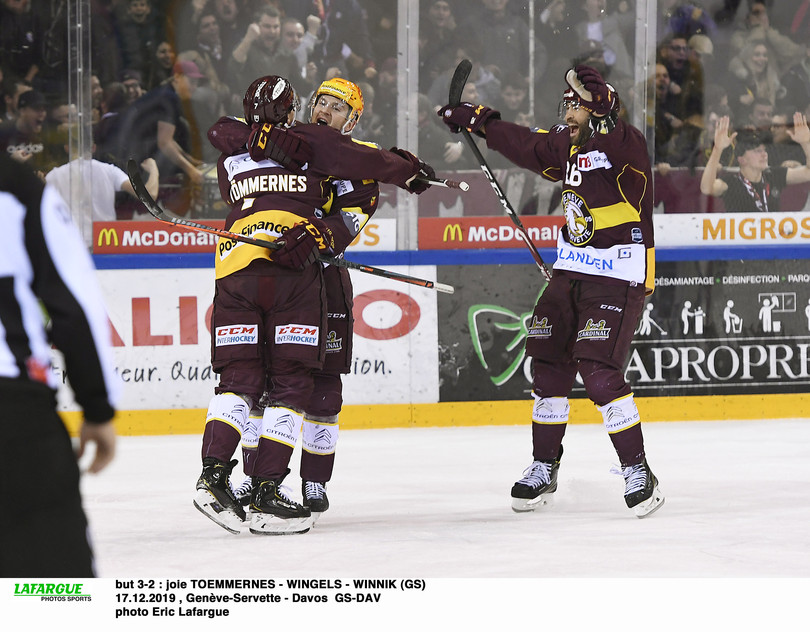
458 81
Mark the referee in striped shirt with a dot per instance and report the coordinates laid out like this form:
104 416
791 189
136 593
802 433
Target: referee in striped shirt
45 269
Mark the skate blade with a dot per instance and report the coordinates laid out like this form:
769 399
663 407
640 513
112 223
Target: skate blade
268 524
651 505
205 502
525 505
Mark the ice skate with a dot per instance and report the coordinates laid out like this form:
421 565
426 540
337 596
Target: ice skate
272 512
641 492
536 487
315 498
214 497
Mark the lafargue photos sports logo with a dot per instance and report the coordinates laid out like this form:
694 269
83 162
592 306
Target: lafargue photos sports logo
52 592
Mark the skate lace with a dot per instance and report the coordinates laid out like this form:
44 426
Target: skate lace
537 474
244 488
313 490
284 493
635 477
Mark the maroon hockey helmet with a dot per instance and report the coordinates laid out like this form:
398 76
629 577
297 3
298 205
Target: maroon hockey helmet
269 99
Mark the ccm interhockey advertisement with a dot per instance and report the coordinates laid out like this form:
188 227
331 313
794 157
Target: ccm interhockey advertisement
161 337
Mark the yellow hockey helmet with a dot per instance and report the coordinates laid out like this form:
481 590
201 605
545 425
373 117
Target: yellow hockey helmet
344 90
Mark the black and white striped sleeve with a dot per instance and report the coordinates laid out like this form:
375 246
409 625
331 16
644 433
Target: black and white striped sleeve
45 260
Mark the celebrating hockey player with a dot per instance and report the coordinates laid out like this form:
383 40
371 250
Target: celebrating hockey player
270 311
336 103
585 319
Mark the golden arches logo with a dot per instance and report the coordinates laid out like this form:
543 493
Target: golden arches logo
107 235
452 232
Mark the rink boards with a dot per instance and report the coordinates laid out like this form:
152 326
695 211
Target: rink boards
421 358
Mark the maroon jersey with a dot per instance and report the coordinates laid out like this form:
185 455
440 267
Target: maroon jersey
334 154
607 197
266 199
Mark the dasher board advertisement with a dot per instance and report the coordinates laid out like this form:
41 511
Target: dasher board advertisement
162 342
154 237
722 327
707 229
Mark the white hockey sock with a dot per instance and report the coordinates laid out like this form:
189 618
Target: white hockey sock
550 410
229 408
620 414
320 438
282 425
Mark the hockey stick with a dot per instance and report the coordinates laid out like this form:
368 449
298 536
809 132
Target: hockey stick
448 184
158 213
456 88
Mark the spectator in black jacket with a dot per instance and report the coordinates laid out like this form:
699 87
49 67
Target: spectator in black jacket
139 32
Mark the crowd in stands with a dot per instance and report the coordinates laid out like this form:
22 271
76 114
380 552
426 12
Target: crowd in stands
165 70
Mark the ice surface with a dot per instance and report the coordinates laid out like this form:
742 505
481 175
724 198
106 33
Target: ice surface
729 550
434 502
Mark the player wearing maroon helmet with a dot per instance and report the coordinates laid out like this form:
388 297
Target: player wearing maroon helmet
585 319
269 318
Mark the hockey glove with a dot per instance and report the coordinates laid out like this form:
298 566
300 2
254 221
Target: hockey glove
288 150
467 116
302 244
422 171
598 99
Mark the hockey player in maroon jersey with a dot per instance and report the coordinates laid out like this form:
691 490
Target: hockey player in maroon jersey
270 311
337 103
585 319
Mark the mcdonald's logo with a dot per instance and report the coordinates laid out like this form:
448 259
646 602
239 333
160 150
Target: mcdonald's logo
108 235
452 232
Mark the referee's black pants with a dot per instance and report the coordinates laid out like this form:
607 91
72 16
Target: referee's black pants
43 528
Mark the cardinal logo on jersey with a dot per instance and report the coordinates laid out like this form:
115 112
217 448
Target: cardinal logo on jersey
539 328
333 343
594 331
